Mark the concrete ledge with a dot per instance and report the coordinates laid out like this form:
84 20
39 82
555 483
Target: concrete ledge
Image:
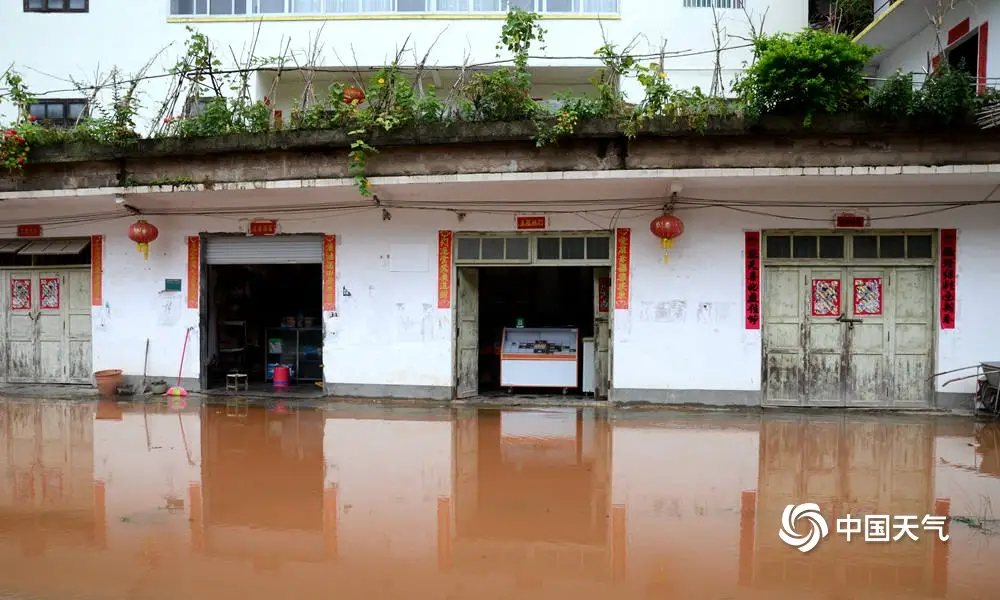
467 148
709 398
191 384
955 402
385 391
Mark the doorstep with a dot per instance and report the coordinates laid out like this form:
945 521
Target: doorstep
15 391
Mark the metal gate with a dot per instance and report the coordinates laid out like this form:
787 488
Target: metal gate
260 250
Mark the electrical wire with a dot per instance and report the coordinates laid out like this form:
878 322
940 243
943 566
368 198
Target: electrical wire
356 70
614 214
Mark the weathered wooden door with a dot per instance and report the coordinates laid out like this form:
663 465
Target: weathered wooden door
857 337
602 332
803 348
48 326
867 326
22 333
79 330
467 333
910 298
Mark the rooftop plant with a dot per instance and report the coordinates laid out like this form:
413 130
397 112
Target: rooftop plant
802 74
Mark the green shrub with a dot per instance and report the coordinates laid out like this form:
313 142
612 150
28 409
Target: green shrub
894 98
947 96
804 74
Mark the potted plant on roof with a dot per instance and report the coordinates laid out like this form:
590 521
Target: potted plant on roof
158 387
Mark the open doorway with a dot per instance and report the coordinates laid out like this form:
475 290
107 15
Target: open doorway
964 55
264 316
527 330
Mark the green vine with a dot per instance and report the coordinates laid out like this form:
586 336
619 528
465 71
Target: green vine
802 74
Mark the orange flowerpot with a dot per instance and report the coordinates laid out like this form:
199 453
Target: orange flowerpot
107 381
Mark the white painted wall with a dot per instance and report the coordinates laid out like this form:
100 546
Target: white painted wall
130 34
913 56
390 331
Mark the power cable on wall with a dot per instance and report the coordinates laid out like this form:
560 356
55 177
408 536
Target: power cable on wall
613 214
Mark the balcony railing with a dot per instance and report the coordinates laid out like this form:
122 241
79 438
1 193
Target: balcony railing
223 8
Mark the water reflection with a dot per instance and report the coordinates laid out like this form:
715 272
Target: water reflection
146 501
262 486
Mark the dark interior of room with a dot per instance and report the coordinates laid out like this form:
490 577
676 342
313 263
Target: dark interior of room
965 56
264 315
542 297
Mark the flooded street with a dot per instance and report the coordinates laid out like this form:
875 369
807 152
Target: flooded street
106 500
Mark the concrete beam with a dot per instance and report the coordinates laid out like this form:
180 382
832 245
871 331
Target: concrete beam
482 148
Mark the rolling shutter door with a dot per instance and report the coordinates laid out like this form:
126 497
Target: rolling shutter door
281 249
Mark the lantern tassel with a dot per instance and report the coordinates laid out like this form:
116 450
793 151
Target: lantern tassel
666 243
144 248
666 258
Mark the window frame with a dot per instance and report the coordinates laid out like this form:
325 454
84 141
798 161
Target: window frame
63 122
848 236
715 4
532 259
431 7
65 9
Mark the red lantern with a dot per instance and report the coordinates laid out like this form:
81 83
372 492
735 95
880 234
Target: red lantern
353 95
142 233
667 228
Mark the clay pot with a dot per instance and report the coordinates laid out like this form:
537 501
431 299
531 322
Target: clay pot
107 381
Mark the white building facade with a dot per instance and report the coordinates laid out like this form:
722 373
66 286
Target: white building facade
827 317
357 35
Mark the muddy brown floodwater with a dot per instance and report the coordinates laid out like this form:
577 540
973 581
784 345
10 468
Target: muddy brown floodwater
107 500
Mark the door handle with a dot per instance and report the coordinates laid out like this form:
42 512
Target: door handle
850 322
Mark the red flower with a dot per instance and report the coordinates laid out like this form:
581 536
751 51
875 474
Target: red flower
32 118
20 160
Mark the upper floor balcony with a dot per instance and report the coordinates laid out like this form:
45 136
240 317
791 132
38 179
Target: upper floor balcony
385 9
916 36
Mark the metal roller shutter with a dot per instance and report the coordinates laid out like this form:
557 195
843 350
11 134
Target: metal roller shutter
281 249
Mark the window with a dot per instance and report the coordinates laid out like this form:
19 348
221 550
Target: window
59 112
492 249
964 56
573 248
472 248
714 4
67 6
218 8
861 246
895 246
195 106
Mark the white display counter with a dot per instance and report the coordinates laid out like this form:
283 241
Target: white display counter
539 358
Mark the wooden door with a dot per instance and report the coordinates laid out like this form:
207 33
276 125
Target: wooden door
467 333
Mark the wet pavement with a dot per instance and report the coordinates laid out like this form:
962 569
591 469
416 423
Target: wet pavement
102 499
